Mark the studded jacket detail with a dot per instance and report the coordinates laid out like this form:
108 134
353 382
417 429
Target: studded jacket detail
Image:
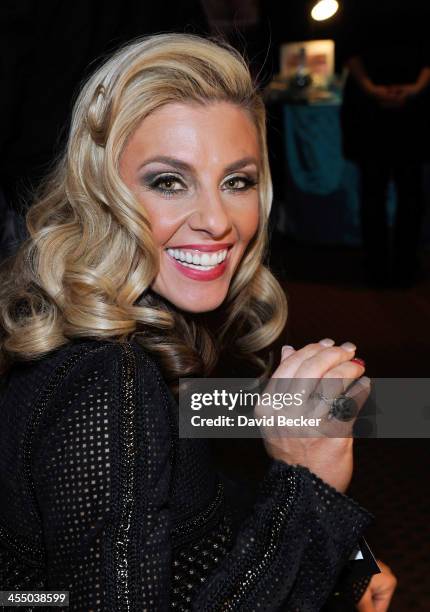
100 497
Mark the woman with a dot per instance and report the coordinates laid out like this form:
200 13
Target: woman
149 233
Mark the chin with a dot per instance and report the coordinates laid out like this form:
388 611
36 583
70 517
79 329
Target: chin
194 297
197 306
195 301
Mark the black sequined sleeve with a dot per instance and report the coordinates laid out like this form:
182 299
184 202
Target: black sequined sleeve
289 552
102 473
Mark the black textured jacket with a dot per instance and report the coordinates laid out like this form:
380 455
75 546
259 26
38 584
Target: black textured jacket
100 497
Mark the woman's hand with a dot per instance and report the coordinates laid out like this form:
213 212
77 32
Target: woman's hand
327 450
378 594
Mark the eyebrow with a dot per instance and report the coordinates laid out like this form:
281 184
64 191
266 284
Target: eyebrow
181 165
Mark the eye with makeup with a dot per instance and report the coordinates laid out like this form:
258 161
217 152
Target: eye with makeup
169 184
239 183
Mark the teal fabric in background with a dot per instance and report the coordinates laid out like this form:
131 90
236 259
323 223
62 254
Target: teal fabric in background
323 189
313 142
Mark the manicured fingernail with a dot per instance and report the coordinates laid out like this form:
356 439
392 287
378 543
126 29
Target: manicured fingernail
359 361
348 346
365 381
327 342
286 347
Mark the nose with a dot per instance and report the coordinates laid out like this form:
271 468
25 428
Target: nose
211 215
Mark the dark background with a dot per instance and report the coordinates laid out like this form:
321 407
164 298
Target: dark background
47 48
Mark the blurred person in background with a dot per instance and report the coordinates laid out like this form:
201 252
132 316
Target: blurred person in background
385 120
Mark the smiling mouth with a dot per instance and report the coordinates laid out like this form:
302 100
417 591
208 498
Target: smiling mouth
197 260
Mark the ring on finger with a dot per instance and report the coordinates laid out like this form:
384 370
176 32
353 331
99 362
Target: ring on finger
342 407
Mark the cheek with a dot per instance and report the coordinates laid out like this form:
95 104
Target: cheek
164 222
248 222
161 231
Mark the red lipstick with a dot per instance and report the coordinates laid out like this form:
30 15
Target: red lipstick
201 275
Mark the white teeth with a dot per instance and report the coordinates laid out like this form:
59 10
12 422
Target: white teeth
202 261
197 267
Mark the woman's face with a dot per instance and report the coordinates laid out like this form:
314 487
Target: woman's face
195 171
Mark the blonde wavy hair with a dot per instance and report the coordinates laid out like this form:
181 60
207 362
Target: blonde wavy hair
86 268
